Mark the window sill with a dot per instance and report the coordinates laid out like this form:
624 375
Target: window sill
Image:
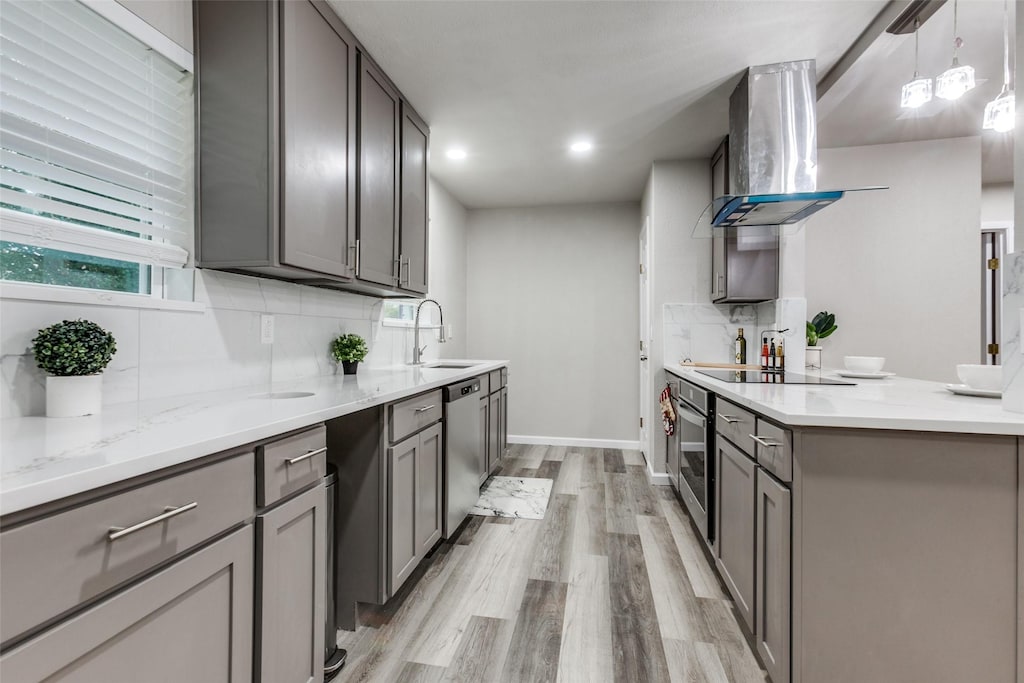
407 324
93 297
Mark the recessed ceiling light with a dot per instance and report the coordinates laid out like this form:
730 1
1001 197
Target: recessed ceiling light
581 146
456 153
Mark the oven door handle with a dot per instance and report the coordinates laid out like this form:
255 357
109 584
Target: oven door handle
690 415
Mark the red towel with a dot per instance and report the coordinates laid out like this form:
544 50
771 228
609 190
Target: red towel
668 416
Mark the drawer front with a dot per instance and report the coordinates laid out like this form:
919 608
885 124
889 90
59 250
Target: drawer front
735 424
485 384
288 465
413 414
495 380
53 564
775 453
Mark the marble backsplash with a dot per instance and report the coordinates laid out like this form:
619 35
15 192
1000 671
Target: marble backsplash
168 352
706 332
1010 344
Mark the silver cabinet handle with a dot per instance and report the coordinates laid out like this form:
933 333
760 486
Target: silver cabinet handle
354 257
117 532
408 269
357 257
766 444
305 456
424 409
729 418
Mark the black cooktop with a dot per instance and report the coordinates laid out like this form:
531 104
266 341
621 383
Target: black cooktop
756 377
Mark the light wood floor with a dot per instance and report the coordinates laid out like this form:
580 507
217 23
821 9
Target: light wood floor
611 586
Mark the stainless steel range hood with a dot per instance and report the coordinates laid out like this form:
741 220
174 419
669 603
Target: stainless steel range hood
773 149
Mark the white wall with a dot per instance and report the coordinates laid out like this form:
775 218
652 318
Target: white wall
676 194
447 258
997 203
900 267
555 291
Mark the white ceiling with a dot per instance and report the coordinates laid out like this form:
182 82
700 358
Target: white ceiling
863 107
514 82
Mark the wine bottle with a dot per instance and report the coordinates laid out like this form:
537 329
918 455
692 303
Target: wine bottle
764 353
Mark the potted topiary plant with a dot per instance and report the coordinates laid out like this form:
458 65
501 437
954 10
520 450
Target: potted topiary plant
74 353
821 326
349 349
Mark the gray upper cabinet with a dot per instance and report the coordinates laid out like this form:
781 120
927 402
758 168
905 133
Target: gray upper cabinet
318 144
379 106
290 586
413 241
191 621
276 140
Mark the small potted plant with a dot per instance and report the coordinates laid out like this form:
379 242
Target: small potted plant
349 349
74 353
821 326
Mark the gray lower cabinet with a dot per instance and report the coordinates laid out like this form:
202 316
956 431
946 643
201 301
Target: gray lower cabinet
378 181
415 501
773 567
494 440
414 221
503 424
483 456
191 621
290 548
735 511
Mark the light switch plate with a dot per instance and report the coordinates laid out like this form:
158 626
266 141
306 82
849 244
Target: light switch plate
266 329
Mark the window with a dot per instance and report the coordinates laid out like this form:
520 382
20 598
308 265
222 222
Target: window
96 151
403 314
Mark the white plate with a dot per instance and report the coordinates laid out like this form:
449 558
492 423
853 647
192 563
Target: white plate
964 390
865 375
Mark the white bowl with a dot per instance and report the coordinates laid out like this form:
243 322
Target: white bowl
983 377
864 363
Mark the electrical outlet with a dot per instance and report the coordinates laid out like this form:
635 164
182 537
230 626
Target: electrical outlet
266 329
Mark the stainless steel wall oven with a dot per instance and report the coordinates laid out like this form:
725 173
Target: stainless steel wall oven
691 457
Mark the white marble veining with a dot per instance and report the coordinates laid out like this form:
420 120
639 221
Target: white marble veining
522 498
893 403
1010 344
45 459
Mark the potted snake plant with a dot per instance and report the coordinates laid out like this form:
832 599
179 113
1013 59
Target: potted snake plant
73 353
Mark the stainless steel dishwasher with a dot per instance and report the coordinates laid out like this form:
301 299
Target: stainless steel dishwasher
461 446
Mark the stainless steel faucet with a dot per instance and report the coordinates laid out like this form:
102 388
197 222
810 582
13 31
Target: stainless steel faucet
417 352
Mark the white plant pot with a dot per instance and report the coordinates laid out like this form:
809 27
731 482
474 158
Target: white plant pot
813 357
74 396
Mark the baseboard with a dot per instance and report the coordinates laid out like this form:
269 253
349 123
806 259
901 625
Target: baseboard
657 478
581 443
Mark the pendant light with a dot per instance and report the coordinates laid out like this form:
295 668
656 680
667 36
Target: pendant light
956 80
919 90
999 113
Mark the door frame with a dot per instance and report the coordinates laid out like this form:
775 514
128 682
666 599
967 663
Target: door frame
646 340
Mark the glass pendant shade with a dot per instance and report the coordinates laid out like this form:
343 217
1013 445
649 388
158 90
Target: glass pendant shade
999 113
954 82
916 92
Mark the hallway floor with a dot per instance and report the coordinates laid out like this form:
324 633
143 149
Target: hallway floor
612 585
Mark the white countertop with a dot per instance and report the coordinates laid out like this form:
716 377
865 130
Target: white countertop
44 459
891 403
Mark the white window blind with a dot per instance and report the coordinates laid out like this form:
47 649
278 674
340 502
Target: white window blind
96 148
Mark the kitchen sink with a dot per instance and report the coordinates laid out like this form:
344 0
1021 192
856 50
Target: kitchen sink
451 365
285 394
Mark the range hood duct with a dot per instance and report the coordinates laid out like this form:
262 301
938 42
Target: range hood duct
773 149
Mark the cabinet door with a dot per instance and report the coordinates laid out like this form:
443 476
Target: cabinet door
737 481
494 431
402 518
485 437
429 489
773 575
318 141
672 459
414 221
290 590
503 429
191 621
378 176
719 187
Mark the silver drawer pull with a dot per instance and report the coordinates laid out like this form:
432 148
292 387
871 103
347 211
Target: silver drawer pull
305 456
424 409
766 444
729 418
117 532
